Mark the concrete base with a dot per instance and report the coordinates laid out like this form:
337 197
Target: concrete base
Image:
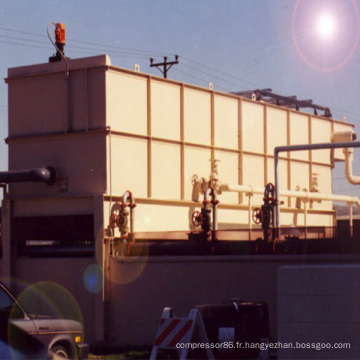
318 306
137 290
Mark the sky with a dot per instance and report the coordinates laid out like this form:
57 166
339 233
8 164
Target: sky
308 48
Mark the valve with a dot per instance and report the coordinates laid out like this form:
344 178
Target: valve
114 221
258 216
123 221
196 218
269 191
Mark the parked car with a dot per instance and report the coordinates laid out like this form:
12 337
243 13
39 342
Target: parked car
38 336
16 344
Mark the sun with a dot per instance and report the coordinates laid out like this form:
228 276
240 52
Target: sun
326 26
326 34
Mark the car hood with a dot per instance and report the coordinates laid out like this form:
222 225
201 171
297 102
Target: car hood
47 323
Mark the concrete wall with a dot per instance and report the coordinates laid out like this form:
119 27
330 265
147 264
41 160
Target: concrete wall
319 304
141 288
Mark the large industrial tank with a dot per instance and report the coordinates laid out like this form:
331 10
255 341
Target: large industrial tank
126 130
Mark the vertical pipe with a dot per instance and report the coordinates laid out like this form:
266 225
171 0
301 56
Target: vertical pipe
149 178
249 216
288 161
8 256
250 224
131 220
212 122
265 145
213 237
86 100
240 149
351 220
305 218
103 257
68 105
215 210
182 140
277 186
310 158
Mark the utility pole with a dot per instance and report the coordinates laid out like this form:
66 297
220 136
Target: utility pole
165 65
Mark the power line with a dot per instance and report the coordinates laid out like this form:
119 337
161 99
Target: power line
144 52
118 51
220 72
192 76
21 39
105 46
21 44
211 75
78 49
23 32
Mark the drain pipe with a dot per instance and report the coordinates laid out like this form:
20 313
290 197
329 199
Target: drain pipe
351 220
278 149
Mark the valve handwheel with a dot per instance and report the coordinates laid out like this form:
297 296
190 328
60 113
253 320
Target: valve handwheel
194 180
257 216
196 218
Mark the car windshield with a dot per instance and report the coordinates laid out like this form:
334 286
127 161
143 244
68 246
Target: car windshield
6 301
8 307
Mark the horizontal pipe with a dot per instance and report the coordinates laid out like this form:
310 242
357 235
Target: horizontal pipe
308 195
239 188
278 149
304 195
353 144
45 175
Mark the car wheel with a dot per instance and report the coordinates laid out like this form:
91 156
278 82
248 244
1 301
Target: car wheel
61 352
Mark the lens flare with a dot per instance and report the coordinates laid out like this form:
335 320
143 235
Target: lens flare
125 270
326 33
93 278
50 298
46 298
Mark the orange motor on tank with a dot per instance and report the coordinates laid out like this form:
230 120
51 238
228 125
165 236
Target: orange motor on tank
59 42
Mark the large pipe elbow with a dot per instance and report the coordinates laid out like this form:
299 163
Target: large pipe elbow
128 197
351 178
46 175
